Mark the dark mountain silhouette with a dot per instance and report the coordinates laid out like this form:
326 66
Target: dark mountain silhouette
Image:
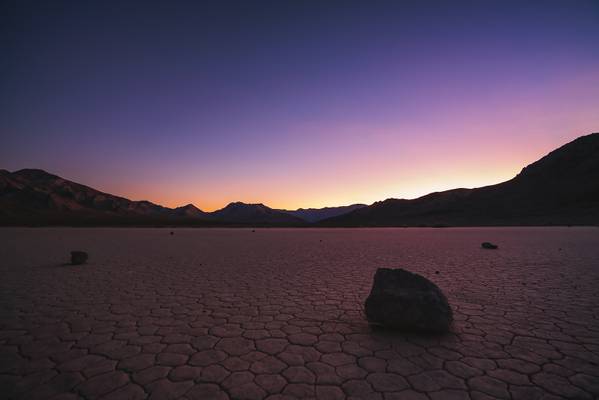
33 196
318 214
561 188
190 211
254 213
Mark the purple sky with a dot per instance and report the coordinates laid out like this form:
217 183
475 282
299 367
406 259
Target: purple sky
293 104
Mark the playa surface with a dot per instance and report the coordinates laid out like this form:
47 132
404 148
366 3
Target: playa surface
276 313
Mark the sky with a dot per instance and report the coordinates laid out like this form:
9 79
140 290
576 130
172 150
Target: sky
293 103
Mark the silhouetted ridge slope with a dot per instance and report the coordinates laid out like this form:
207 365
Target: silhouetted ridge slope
35 196
560 188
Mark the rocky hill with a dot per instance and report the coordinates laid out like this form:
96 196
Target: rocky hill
560 188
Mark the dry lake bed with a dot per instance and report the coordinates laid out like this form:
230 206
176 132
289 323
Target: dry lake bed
277 313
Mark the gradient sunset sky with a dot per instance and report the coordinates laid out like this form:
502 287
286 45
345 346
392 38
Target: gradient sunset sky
293 103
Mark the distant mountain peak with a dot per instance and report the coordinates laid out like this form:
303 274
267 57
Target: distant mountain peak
189 210
239 205
242 204
188 207
255 213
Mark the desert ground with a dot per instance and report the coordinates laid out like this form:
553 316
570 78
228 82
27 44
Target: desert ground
277 313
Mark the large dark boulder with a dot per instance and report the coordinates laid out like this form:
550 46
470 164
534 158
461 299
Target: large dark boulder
402 300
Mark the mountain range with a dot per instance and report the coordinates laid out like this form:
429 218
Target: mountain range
36 197
560 188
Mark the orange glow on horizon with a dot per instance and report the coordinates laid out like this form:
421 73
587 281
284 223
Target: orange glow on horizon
471 144
409 188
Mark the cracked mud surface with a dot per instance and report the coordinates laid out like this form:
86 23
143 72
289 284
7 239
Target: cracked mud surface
276 313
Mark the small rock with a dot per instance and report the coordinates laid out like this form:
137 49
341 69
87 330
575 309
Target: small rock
488 245
402 300
172 233
437 272
78 257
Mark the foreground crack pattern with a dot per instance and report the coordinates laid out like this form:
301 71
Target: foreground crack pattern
276 314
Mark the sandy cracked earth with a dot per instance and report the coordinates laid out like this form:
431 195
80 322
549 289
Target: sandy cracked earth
276 313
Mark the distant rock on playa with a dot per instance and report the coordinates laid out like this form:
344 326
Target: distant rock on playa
403 300
78 257
488 245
